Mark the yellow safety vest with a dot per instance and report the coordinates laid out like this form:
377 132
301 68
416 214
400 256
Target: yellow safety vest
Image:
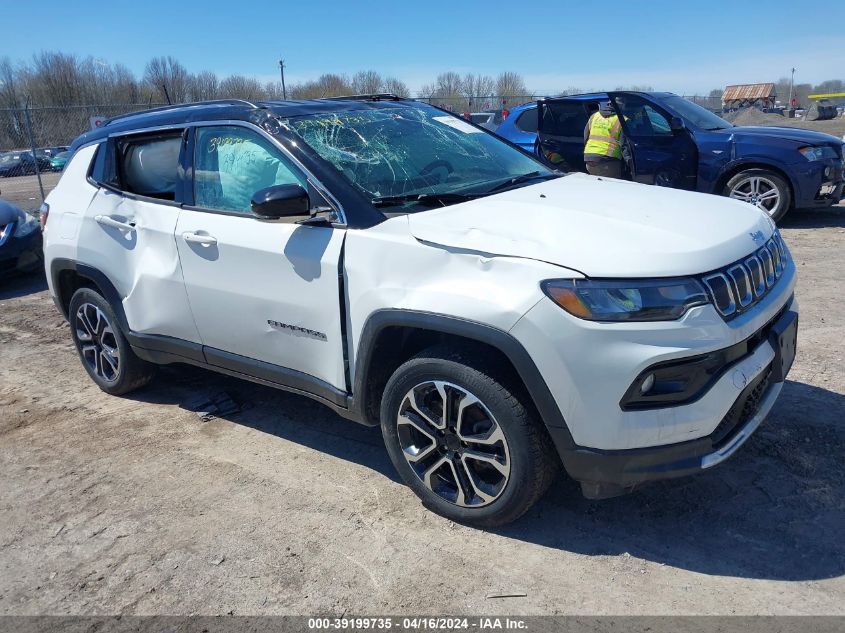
604 136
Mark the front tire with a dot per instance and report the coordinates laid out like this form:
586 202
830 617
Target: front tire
463 441
104 351
765 189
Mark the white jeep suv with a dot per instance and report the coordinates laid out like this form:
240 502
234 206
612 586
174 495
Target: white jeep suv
411 270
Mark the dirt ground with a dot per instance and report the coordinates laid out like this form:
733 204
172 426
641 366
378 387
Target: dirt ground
752 116
136 506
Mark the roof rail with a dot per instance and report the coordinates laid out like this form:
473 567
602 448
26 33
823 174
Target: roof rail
380 96
174 106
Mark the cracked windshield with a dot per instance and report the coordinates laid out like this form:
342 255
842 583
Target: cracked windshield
409 157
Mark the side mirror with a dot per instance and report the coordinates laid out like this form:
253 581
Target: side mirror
280 201
676 124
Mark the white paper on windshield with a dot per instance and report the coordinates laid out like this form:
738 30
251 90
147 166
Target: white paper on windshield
458 124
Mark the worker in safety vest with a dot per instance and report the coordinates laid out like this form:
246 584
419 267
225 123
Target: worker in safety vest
603 143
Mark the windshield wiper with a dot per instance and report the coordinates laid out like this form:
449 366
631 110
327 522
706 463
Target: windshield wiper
516 180
445 197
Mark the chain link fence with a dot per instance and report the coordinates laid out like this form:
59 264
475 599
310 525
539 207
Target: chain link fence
21 128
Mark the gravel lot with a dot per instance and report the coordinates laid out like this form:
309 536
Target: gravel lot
137 506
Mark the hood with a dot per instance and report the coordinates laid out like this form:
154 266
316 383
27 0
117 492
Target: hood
601 227
792 133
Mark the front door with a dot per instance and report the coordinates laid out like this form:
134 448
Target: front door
659 155
265 294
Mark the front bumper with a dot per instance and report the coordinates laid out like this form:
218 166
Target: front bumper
605 474
820 185
609 473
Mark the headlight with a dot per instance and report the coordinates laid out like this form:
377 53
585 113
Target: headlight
22 229
626 299
817 153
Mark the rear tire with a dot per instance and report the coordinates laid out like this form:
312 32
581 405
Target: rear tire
484 463
765 189
103 349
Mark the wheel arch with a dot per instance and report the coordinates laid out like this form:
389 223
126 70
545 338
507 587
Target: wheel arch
733 169
68 276
392 336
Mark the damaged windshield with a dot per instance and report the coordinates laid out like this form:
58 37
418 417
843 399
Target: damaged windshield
415 155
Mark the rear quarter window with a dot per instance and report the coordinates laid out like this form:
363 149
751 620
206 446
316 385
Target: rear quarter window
527 121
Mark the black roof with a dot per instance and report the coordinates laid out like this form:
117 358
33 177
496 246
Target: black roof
235 109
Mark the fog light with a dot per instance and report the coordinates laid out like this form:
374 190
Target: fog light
647 384
827 172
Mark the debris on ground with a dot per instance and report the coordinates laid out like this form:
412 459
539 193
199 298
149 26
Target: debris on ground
209 406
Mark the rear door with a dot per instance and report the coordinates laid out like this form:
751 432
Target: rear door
659 155
127 231
265 294
560 131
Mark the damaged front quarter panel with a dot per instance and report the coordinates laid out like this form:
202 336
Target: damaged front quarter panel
386 267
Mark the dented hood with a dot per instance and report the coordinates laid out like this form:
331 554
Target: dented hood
601 227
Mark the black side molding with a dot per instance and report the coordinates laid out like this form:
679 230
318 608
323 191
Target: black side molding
289 379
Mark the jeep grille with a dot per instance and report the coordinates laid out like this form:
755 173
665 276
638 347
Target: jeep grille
739 286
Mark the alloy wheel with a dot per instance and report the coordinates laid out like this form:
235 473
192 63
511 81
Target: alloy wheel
97 342
453 444
759 191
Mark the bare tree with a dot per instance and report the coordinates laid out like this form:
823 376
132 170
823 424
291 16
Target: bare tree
54 79
636 88
240 87
125 87
204 86
427 91
448 85
328 85
10 96
166 72
367 82
510 84
479 87
831 85
273 90
397 87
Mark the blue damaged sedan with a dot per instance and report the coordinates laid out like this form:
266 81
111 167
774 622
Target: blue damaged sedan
673 142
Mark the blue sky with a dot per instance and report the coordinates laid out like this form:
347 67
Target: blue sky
678 46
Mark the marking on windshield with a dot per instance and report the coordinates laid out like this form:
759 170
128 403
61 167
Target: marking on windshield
458 124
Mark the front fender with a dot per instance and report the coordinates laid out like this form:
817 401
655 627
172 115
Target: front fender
502 341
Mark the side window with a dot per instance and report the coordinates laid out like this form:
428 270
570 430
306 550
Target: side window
148 166
527 121
231 163
659 124
642 119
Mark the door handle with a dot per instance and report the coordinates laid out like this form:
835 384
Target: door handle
195 238
106 220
